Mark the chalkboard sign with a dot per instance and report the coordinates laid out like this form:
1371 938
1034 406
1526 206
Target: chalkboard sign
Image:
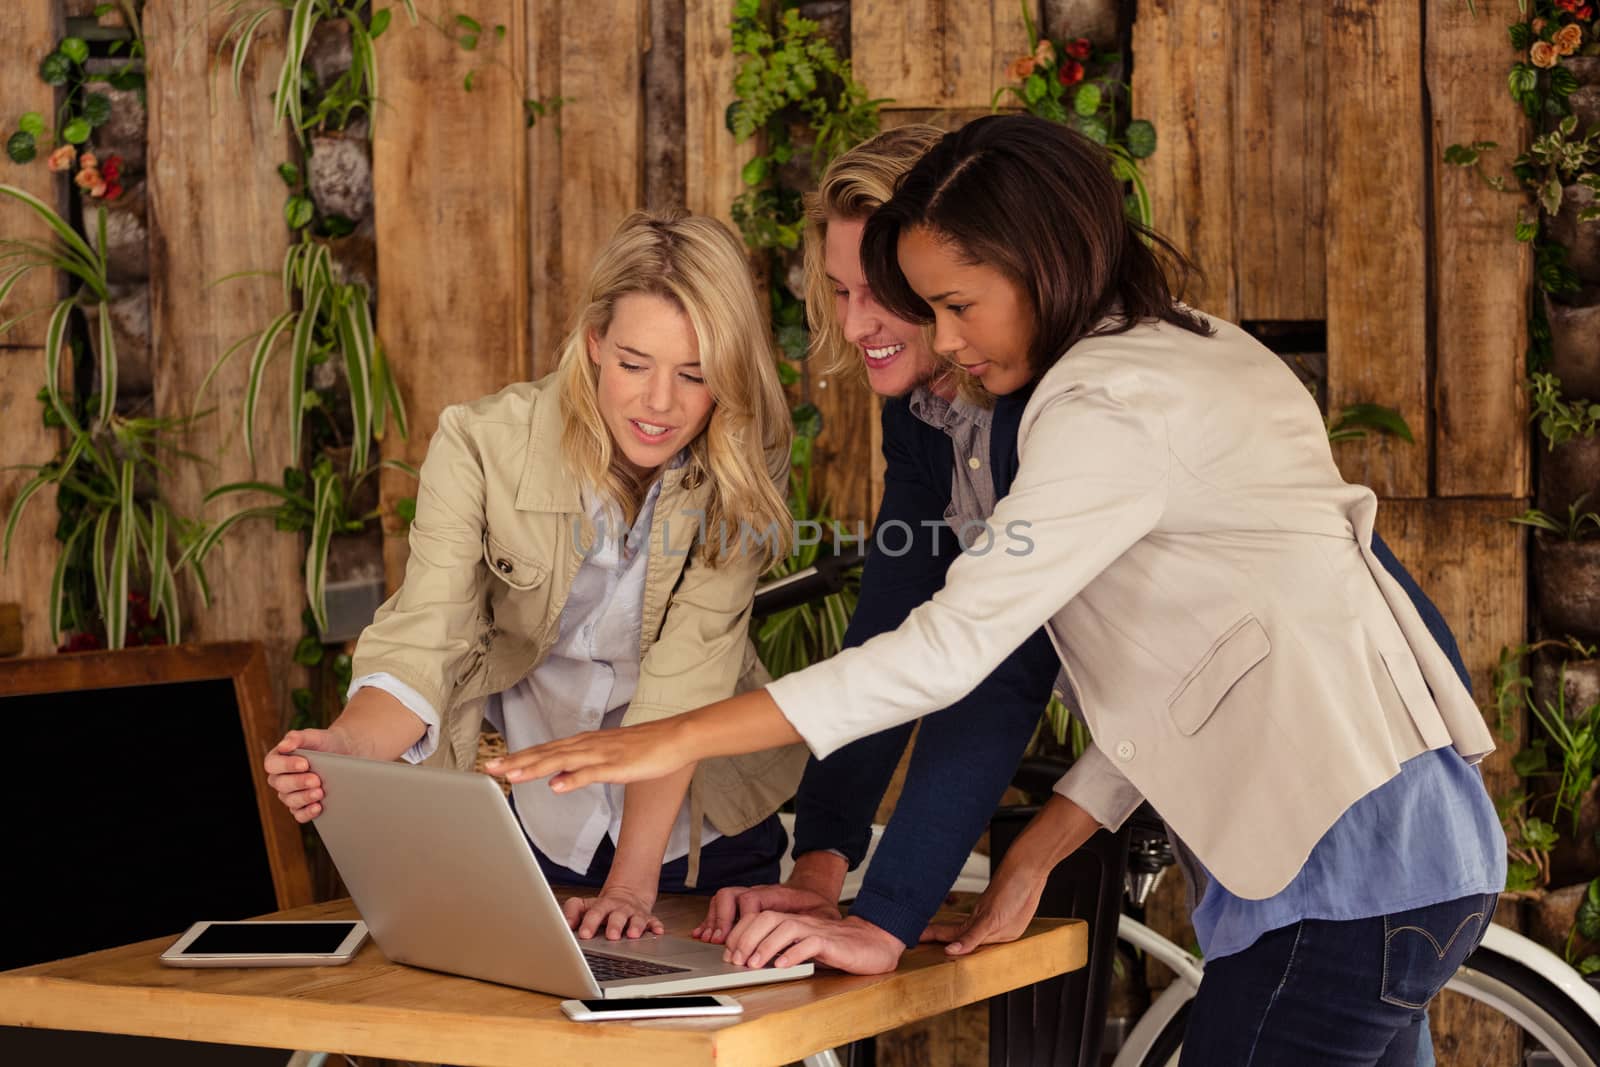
136 803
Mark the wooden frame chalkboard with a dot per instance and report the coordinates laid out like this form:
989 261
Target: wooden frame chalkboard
245 664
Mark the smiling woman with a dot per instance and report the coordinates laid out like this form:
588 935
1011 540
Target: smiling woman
566 573
651 393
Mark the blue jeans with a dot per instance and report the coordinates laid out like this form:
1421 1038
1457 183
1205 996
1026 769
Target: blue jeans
1322 993
750 858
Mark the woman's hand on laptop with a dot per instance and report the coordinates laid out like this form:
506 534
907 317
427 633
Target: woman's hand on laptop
618 912
290 775
783 940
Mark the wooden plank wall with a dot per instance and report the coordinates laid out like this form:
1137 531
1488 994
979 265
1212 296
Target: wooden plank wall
450 205
27 31
212 155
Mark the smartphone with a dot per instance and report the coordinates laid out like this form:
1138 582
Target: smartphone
588 1011
267 943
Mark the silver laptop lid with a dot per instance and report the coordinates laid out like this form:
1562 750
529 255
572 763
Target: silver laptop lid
443 875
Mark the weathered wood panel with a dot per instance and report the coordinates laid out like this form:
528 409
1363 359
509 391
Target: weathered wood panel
935 53
664 109
1480 319
602 134
712 160
27 32
586 166
1183 82
1094 19
212 154
1377 237
1278 159
548 313
450 207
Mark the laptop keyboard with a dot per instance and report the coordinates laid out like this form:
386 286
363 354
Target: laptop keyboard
610 968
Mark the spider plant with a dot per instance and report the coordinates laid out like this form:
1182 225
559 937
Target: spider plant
333 320
304 15
101 474
320 504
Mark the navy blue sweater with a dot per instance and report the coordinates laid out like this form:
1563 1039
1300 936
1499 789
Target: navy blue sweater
966 754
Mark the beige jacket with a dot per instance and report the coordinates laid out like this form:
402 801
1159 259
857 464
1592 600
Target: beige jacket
1243 659
494 549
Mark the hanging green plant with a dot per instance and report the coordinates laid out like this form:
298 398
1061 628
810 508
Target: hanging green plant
83 109
1077 83
115 524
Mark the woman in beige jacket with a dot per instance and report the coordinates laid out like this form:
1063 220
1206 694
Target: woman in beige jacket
1243 659
566 573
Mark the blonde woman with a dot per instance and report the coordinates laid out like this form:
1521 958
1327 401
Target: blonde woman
583 556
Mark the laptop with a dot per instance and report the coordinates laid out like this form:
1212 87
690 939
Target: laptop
445 878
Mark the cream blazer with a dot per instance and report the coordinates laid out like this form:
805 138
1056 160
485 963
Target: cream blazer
1242 658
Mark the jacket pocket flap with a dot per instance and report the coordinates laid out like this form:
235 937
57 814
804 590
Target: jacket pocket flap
517 571
1235 652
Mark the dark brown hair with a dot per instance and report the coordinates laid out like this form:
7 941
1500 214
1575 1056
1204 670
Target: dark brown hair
1038 202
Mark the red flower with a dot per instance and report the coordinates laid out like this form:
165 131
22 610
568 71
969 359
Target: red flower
1071 72
112 168
83 642
1079 49
1578 8
113 190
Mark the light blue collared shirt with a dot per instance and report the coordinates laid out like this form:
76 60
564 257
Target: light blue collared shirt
1427 835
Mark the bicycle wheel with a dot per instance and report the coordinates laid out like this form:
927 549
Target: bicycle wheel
1548 1018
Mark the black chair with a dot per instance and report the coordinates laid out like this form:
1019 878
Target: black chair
1060 1022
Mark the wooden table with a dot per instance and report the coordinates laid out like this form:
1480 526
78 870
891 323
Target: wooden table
372 1007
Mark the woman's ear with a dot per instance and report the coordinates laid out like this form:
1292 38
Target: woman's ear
592 343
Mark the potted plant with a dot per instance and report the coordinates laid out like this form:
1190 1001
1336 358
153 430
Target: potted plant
332 324
1566 562
124 550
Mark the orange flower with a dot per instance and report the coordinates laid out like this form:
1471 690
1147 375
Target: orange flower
98 188
1045 54
89 161
1020 68
1568 38
1538 26
61 159
87 177
1543 54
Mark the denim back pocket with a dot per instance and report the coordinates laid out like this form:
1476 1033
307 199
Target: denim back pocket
1423 947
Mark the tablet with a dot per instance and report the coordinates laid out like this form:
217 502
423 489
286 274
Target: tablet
266 943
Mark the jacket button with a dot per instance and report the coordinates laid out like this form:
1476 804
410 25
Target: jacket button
503 566
974 462
1125 751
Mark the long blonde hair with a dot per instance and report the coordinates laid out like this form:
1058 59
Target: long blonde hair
696 264
855 185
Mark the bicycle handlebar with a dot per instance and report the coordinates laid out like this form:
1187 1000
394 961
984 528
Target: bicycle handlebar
821 579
